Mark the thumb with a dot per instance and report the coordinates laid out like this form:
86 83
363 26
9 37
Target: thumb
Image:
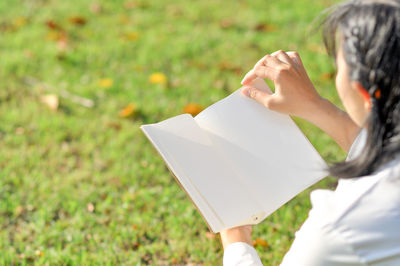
260 96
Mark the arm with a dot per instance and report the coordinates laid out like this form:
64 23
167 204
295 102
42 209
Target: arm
335 122
296 95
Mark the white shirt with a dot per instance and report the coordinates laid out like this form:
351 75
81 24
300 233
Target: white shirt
357 224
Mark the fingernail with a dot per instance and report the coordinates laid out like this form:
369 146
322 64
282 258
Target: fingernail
245 76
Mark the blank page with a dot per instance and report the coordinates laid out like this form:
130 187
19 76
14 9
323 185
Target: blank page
266 148
210 181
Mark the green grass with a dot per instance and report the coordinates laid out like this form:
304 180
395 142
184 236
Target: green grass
83 185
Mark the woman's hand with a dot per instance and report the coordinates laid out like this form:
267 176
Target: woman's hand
296 95
236 234
294 92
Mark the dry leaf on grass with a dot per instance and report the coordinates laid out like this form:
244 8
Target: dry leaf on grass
51 24
193 109
327 76
56 36
260 242
39 253
130 36
77 20
51 101
20 22
106 83
264 27
128 111
158 78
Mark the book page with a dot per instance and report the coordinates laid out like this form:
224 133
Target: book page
265 148
209 180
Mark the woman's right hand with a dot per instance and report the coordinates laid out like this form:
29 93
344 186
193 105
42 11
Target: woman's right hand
294 93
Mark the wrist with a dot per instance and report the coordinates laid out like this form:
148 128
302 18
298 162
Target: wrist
237 234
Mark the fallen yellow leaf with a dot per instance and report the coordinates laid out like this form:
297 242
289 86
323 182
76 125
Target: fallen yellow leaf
327 76
58 36
260 242
20 21
106 83
193 109
131 36
158 78
51 100
39 253
128 111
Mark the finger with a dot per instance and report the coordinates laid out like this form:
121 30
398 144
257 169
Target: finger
260 96
266 72
249 77
295 57
282 56
268 69
273 62
259 72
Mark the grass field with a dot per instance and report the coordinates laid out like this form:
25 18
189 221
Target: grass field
80 184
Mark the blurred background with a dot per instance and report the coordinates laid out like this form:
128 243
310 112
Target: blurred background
79 183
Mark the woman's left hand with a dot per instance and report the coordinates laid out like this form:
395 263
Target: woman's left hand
237 234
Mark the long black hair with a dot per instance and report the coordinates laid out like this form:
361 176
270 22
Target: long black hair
369 33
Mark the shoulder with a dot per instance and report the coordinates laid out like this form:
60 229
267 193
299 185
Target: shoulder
355 225
370 219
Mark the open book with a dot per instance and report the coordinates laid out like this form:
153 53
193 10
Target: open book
237 160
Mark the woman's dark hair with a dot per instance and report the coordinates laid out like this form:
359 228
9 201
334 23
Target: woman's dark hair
369 34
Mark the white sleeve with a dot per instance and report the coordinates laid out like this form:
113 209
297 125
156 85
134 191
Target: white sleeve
320 244
240 253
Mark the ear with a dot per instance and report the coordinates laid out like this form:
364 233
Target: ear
363 93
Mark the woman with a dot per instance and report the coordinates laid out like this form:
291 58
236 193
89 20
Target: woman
359 223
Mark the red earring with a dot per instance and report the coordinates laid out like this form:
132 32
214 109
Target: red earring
378 94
